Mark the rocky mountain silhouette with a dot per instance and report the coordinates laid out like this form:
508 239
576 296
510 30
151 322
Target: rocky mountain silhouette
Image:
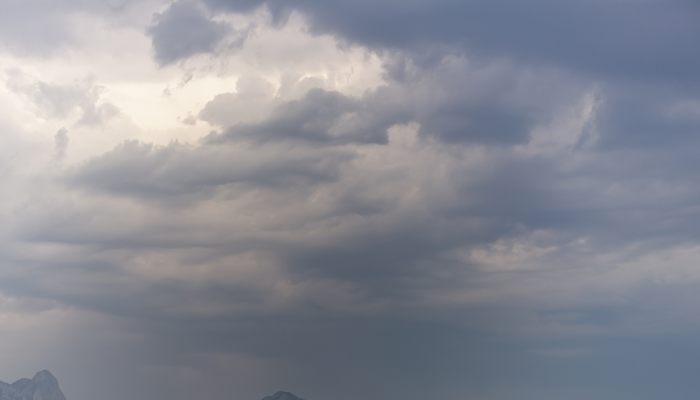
282 396
43 386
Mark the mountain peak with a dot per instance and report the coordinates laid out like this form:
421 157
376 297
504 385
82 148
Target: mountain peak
283 396
43 376
43 386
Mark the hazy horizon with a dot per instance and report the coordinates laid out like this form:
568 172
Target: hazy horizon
375 200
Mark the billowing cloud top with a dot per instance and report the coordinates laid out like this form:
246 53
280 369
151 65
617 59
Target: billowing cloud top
351 199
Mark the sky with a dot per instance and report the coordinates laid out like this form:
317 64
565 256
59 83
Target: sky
376 200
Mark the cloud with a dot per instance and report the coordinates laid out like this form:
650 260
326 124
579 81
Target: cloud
455 101
251 102
320 116
506 210
181 171
386 254
44 29
60 101
185 29
61 140
660 49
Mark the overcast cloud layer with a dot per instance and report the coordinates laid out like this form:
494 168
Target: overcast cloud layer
378 200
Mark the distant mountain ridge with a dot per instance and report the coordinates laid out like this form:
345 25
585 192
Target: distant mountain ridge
282 396
43 386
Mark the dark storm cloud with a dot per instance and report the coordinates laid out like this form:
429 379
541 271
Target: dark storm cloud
647 39
646 115
356 268
657 37
458 100
179 171
386 252
183 30
511 214
320 117
453 100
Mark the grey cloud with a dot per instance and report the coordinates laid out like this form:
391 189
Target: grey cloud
321 117
180 171
544 35
251 102
639 116
183 30
55 100
458 100
349 284
543 247
377 252
454 100
365 259
585 36
61 141
363 242
44 28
